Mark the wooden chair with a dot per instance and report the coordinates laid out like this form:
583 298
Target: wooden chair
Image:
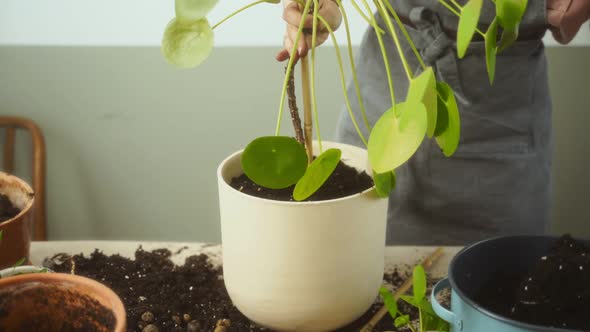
11 124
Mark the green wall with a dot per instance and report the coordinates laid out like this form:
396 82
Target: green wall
133 144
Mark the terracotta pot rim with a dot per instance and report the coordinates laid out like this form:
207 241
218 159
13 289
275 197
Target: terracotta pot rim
118 308
27 189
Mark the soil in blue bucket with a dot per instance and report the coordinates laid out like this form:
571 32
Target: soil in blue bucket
555 293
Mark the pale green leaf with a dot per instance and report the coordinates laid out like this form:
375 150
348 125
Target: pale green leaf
20 262
510 12
389 301
192 10
316 174
274 162
384 183
394 140
467 25
187 44
402 321
491 48
448 139
419 283
423 89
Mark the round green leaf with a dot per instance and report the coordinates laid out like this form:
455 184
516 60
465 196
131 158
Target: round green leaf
274 162
510 12
384 183
491 48
394 140
192 10
467 24
187 44
419 283
401 321
448 140
316 174
423 89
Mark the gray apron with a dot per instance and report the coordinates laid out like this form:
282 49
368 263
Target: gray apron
499 180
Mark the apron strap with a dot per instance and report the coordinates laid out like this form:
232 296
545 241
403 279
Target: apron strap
436 48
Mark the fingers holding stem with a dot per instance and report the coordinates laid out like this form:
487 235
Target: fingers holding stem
290 67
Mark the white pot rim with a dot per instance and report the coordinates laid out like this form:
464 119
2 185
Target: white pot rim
366 192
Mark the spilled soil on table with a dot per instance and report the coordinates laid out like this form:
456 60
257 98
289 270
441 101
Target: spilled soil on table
554 293
161 296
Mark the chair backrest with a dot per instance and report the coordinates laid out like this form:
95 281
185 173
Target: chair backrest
11 124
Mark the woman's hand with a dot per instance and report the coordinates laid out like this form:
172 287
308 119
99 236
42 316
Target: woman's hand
292 15
566 17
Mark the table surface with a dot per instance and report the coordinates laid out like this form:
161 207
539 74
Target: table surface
401 257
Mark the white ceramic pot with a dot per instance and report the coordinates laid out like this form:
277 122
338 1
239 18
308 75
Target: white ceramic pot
302 266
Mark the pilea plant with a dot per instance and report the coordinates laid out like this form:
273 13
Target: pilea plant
428 110
428 320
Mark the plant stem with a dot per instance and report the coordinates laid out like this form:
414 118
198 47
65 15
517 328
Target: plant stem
237 12
452 10
405 33
314 36
454 2
290 67
342 79
353 67
293 108
383 53
307 122
360 11
402 55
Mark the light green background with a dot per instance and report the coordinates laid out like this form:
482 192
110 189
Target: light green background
133 143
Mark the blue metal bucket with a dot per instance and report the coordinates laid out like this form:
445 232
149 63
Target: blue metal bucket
472 268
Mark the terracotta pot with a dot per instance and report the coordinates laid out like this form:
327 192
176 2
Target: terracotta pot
16 232
302 266
52 302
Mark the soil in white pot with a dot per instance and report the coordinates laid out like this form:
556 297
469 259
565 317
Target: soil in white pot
344 181
7 209
555 293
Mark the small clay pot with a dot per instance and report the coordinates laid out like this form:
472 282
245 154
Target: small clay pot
16 232
55 302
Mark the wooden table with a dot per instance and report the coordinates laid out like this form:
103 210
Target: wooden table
401 257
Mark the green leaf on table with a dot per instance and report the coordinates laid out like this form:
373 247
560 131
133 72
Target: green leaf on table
401 321
187 44
274 162
192 10
389 301
20 262
419 283
395 139
509 36
491 48
316 174
423 89
467 25
384 183
510 12
1 234
448 139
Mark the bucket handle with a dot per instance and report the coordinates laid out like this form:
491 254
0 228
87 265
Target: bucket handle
441 311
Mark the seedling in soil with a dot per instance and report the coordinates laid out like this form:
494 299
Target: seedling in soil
428 111
429 321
